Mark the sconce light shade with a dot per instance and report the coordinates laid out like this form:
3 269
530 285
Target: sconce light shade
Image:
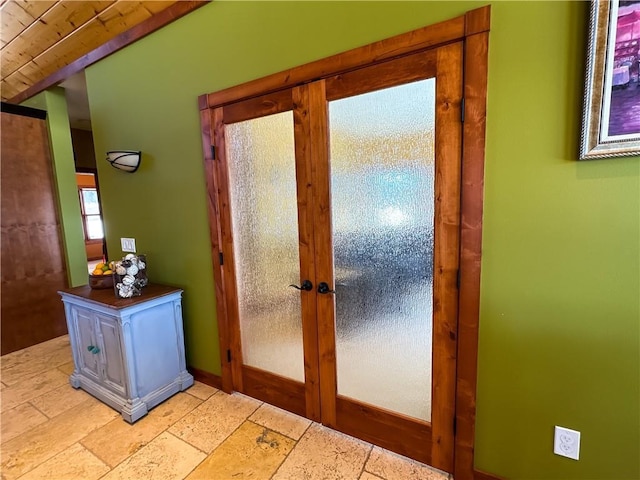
125 160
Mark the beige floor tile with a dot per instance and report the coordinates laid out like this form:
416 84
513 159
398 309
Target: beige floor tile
201 391
131 438
17 366
18 420
367 476
66 368
391 466
26 451
213 421
281 421
74 463
325 454
165 458
33 387
251 452
60 400
35 351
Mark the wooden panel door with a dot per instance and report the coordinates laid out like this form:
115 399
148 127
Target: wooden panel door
266 244
33 265
387 220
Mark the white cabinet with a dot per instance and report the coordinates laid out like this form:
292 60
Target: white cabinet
129 353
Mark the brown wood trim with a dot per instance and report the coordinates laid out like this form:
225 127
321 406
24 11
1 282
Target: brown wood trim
304 166
276 102
211 179
476 70
207 378
325 304
446 251
477 21
228 272
135 33
420 39
203 102
395 72
386 429
480 475
274 389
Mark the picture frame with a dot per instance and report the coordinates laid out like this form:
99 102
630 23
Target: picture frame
611 116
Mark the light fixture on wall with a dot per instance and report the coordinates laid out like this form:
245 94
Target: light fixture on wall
125 160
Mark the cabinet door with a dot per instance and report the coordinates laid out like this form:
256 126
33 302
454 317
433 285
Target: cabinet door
87 344
109 331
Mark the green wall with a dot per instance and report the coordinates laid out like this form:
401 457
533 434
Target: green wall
559 325
55 103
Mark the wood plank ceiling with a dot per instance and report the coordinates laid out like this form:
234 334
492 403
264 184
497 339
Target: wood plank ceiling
40 37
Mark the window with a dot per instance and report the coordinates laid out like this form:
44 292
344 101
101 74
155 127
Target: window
91 218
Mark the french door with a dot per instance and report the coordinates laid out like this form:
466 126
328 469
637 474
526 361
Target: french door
338 219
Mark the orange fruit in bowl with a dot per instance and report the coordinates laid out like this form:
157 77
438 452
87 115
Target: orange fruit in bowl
97 271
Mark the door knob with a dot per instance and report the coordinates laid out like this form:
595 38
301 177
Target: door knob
306 286
324 288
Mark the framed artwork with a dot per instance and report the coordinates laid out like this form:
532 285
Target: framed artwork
611 119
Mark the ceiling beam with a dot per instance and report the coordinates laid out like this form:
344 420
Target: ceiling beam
137 32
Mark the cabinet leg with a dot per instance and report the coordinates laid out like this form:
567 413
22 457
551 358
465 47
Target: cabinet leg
74 381
186 380
133 411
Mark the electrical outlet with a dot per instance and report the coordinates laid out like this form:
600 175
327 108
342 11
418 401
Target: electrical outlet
566 442
128 244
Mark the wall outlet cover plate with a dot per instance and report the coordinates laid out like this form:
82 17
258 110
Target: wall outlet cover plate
566 442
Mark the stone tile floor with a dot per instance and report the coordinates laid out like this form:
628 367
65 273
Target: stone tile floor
49 430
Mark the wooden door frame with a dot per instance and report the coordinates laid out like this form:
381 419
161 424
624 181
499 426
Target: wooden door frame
473 29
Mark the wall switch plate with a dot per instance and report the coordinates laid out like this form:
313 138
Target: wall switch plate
128 244
566 443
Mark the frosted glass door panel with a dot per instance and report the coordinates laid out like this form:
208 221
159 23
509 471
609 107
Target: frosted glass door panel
262 185
382 165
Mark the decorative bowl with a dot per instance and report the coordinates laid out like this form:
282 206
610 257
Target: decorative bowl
100 281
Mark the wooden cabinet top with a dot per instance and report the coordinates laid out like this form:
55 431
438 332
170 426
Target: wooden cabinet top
108 297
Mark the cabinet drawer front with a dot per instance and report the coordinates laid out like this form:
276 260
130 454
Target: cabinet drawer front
88 348
114 377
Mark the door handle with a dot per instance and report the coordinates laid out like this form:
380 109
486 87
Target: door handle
324 288
306 286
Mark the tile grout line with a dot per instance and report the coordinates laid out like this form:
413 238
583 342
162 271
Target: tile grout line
53 456
364 465
9 387
207 455
147 443
47 416
294 447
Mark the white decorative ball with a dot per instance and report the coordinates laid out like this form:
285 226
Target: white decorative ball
125 291
128 280
129 256
132 270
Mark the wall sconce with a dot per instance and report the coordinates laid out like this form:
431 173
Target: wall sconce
125 160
